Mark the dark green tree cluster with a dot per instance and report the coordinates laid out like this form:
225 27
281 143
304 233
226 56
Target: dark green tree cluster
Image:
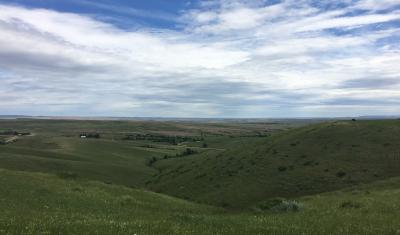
185 153
14 133
162 138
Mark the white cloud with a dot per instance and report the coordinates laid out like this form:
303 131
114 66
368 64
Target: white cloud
70 35
376 4
349 22
203 17
232 56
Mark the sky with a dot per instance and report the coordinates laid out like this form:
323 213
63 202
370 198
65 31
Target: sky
211 58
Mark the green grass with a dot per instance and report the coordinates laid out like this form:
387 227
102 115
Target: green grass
105 160
35 203
55 146
304 161
342 173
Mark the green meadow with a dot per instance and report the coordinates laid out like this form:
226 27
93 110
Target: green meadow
186 177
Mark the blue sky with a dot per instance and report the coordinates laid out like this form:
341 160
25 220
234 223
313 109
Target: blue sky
213 58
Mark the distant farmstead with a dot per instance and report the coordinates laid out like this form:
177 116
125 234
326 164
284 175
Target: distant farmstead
89 135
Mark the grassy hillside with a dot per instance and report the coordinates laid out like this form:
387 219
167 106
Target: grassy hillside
54 146
35 203
105 160
284 183
232 171
304 161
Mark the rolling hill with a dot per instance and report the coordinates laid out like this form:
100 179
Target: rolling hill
303 161
337 177
55 146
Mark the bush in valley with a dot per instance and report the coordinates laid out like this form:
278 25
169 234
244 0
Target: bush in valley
185 153
287 206
279 205
205 145
67 175
224 204
151 161
126 200
308 163
340 174
268 204
188 151
350 205
282 168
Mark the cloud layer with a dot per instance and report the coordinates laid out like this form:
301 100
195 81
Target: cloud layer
225 59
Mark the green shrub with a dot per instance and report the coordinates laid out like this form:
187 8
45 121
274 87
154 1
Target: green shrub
287 206
268 204
67 175
126 200
224 204
279 205
308 163
282 168
340 174
151 161
350 204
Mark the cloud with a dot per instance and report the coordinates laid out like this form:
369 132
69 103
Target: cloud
124 10
349 22
375 5
226 59
371 83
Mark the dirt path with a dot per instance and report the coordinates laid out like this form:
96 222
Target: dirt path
11 139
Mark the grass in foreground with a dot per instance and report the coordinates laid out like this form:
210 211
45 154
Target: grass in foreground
35 203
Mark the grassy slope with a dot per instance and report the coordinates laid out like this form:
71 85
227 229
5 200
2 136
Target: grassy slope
56 148
313 159
235 172
105 160
35 203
